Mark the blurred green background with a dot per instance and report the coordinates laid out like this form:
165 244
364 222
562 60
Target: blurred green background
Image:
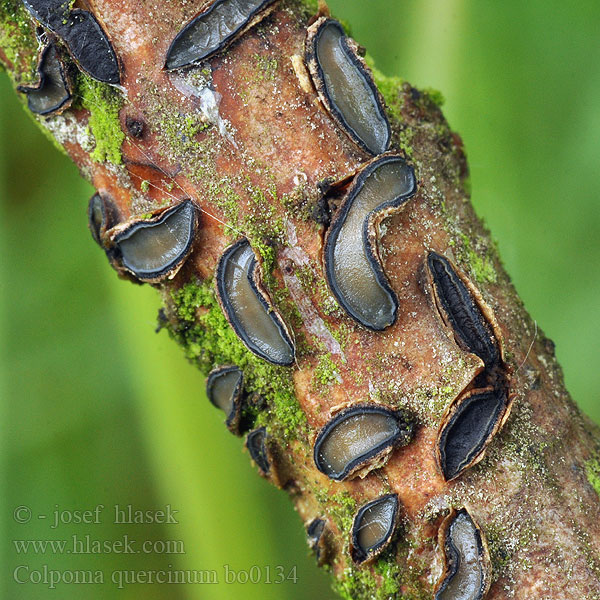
98 409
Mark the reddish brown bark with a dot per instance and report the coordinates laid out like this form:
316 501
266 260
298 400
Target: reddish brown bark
264 154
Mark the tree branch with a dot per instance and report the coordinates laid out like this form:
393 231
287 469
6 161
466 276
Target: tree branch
248 136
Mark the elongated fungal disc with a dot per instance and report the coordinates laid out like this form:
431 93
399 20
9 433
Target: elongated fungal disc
468 428
352 264
346 87
89 46
254 320
213 30
314 532
53 93
466 558
256 444
317 538
85 39
102 215
358 438
155 249
224 390
373 528
461 312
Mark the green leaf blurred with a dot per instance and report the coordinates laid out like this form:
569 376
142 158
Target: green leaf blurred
98 409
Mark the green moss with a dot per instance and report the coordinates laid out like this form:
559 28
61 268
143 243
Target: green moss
317 287
385 582
178 139
208 341
481 267
390 90
298 202
356 583
499 554
435 96
340 506
228 200
326 371
311 6
266 68
260 224
104 103
405 137
17 41
592 472
145 186
389 569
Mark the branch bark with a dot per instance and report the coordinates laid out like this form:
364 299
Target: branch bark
244 137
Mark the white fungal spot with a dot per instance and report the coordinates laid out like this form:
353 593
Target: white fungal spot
208 101
67 128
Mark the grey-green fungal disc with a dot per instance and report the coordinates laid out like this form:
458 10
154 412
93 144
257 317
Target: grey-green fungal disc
153 249
373 527
53 94
352 263
357 437
346 86
224 388
252 317
212 30
467 561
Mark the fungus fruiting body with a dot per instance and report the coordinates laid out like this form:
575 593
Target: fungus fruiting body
373 528
212 30
352 263
224 388
346 87
83 36
466 559
359 439
468 427
316 537
49 13
256 444
102 215
154 249
89 46
52 94
459 309
252 317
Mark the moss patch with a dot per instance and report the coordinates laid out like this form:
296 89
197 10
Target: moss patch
311 6
341 507
385 583
261 224
17 41
481 266
592 472
266 68
499 554
435 96
326 371
104 103
181 130
390 88
209 341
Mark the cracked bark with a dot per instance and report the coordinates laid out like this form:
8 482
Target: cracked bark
252 154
